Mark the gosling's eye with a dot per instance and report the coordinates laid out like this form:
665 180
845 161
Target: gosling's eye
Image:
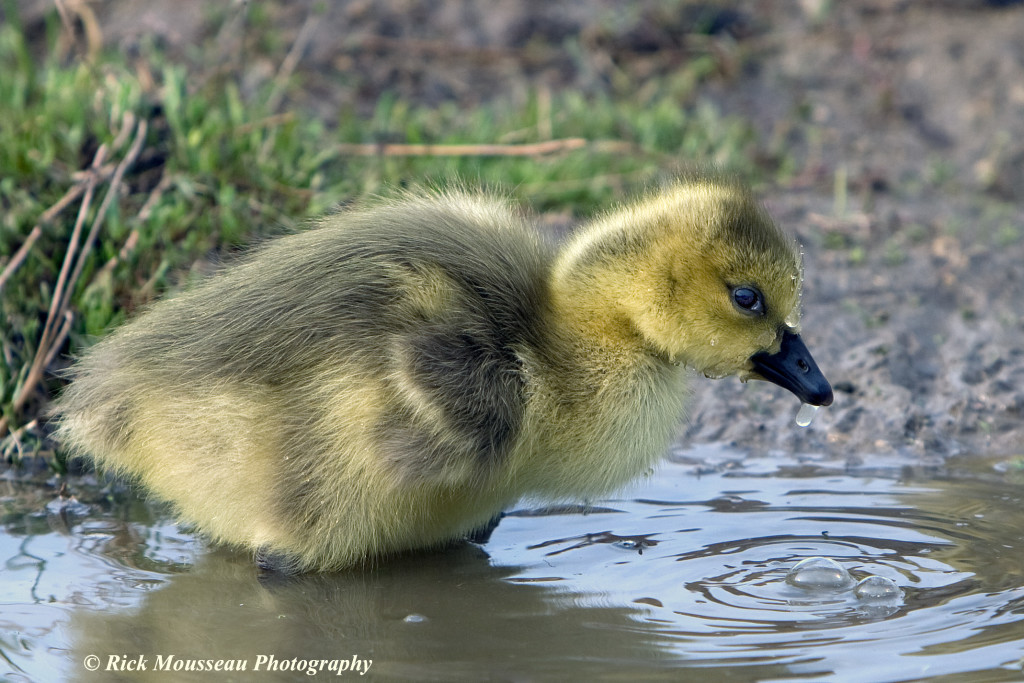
748 300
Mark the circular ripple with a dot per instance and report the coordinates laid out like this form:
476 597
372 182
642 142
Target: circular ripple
900 568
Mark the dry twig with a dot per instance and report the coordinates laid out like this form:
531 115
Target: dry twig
93 33
20 255
291 60
510 150
59 313
133 237
73 193
112 190
13 441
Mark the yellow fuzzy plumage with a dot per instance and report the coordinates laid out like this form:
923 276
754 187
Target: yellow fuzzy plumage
395 376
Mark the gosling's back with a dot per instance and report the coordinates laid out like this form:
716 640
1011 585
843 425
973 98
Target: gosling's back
284 402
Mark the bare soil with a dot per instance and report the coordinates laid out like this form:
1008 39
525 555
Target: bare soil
903 123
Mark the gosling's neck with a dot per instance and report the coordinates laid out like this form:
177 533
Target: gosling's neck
594 288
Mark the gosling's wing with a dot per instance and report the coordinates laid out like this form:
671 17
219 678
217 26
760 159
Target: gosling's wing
461 395
466 281
422 303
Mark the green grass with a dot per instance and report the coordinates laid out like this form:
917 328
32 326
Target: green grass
216 171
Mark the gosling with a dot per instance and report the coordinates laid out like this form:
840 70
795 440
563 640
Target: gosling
396 376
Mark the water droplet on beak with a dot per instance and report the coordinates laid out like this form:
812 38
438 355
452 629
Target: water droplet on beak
805 416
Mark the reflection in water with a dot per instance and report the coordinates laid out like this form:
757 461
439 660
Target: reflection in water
443 615
684 571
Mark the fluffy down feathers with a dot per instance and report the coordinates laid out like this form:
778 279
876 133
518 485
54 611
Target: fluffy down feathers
393 377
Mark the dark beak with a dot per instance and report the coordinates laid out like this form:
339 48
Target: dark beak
793 368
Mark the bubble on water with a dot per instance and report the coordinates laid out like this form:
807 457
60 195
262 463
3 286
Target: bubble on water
636 546
817 573
877 588
805 416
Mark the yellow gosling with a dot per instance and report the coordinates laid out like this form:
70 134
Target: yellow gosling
394 377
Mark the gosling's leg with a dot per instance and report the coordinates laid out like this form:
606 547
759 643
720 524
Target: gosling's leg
483 534
274 564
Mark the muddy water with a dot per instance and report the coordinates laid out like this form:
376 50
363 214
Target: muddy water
683 577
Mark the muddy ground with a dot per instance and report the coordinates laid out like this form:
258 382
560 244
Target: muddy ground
905 121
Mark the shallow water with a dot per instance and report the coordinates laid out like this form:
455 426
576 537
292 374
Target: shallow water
682 577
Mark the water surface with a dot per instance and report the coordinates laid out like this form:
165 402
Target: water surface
683 577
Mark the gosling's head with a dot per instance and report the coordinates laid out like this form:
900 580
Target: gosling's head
708 279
